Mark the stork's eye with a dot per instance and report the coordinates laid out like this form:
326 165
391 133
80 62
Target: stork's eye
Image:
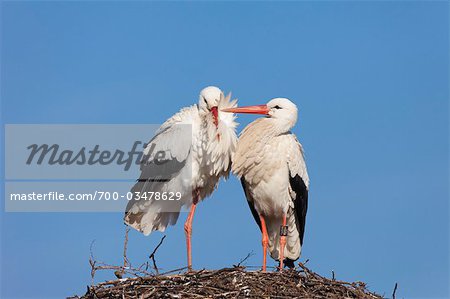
277 107
204 99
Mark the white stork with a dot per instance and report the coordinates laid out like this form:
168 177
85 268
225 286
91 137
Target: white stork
270 163
195 164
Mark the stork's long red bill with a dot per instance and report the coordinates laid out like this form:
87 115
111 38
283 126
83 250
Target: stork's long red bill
257 109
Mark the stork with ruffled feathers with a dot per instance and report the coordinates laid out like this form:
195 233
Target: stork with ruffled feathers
199 142
270 163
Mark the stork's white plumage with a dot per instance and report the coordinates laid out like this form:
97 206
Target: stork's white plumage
199 142
270 162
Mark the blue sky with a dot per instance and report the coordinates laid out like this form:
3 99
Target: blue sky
371 83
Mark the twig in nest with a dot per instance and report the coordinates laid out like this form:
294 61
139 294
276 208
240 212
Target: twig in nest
175 270
395 290
244 259
92 262
152 256
119 270
229 283
126 262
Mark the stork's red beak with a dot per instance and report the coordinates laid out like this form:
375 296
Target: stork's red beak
215 114
258 109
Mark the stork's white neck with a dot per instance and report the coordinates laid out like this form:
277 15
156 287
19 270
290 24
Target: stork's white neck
275 126
221 137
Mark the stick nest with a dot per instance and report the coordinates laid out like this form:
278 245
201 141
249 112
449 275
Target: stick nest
236 282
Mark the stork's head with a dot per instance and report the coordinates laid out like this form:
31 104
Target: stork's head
209 101
282 110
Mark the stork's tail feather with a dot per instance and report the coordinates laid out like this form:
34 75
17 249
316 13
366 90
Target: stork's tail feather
149 215
288 263
147 222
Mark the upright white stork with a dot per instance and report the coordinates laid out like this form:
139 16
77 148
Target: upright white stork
270 162
196 159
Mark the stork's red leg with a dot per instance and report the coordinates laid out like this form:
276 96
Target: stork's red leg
265 241
283 234
188 233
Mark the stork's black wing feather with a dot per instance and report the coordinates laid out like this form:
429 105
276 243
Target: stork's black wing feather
300 203
250 202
